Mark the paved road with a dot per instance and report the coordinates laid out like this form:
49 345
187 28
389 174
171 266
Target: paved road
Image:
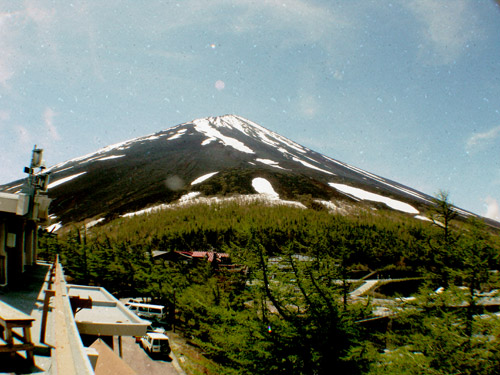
142 363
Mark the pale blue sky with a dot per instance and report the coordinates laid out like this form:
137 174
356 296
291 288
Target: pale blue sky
409 90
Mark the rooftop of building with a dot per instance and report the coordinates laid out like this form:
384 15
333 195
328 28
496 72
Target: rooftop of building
61 351
28 297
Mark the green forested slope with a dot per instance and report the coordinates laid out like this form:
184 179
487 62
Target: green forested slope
291 315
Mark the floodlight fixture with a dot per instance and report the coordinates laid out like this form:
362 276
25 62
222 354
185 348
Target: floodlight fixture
36 159
42 181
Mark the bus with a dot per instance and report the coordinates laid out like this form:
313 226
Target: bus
145 310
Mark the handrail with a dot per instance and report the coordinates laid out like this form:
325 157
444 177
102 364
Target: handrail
70 355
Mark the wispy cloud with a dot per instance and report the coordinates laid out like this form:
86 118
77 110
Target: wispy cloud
51 129
43 17
24 136
6 46
12 27
6 71
492 209
447 28
295 14
304 20
480 141
308 105
338 75
4 116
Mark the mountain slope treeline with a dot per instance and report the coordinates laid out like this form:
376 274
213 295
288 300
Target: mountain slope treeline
289 311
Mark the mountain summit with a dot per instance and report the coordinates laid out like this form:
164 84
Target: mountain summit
217 156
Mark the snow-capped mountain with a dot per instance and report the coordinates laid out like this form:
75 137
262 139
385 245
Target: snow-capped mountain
225 156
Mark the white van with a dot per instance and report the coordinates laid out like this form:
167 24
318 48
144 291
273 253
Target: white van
145 310
156 343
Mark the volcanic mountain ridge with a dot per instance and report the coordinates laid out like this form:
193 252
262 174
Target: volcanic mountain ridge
210 159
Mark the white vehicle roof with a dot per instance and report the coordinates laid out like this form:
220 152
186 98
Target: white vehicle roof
156 335
144 305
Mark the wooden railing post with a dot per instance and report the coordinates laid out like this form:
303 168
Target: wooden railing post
46 301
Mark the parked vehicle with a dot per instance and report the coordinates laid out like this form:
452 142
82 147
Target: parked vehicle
145 310
153 327
156 343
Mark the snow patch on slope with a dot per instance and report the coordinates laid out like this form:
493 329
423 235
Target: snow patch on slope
195 198
179 134
272 163
189 196
423 218
14 188
204 126
380 179
150 138
262 186
312 166
329 205
147 210
208 141
338 207
463 212
110 157
266 194
64 180
199 180
254 130
93 223
365 195
250 128
95 155
62 170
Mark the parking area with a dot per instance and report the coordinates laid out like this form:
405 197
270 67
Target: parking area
142 363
